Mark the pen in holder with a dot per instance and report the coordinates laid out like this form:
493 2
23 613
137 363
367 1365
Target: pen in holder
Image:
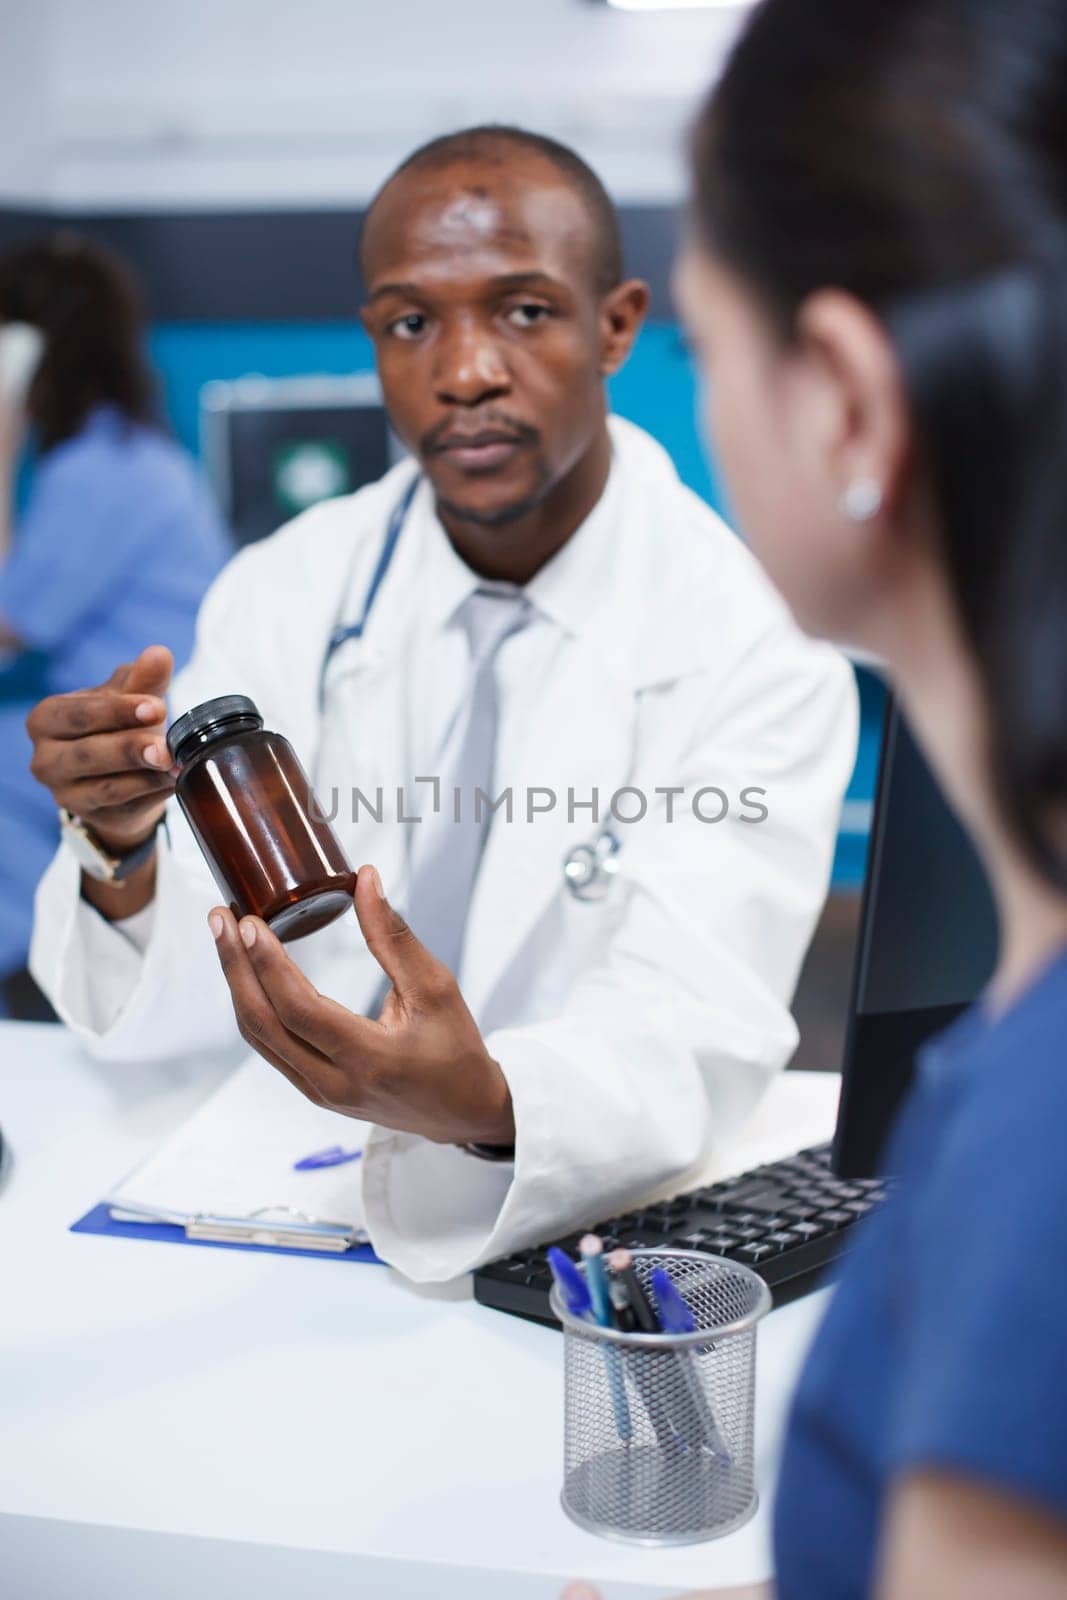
684 1470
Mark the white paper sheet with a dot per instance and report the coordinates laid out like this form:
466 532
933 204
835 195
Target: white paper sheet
236 1155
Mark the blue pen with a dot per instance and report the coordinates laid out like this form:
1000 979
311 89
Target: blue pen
334 1156
592 1252
674 1313
675 1316
573 1289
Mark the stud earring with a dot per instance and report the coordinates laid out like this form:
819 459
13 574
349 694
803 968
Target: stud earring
861 500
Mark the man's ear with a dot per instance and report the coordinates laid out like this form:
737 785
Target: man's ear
622 311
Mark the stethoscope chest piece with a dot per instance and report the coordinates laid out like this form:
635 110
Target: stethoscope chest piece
589 869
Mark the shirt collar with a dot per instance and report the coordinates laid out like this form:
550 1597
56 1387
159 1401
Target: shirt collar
563 589
445 577
566 587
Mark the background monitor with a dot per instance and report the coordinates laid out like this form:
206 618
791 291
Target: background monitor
926 948
275 446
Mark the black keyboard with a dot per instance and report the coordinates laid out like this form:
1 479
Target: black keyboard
787 1221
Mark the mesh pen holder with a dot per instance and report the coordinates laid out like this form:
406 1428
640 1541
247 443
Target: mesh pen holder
658 1427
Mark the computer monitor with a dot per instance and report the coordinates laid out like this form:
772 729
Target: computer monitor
926 946
275 446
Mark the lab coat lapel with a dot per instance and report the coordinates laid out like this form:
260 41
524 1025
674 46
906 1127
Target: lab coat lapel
362 756
581 740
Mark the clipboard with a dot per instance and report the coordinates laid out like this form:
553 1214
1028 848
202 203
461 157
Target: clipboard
101 1221
256 1166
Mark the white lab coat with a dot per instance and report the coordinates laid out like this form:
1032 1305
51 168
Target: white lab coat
636 1033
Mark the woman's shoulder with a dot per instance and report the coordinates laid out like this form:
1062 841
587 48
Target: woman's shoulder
990 1113
108 442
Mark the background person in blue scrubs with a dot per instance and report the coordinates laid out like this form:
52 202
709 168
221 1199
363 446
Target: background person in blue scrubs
112 549
877 285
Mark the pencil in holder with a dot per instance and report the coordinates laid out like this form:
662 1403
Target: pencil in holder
658 1427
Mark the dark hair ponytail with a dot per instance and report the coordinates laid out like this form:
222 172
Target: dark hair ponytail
914 154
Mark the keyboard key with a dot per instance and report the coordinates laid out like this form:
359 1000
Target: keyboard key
720 1244
705 1235
669 1208
836 1219
808 1230
658 1227
801 1213
860 1208
752 1254
767 1200
784 1239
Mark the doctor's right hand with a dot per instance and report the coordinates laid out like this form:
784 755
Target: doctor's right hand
421 1068
102 753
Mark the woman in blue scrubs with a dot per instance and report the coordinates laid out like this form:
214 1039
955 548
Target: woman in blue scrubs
876 282
112 547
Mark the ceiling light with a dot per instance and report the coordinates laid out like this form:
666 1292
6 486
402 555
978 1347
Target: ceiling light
679 5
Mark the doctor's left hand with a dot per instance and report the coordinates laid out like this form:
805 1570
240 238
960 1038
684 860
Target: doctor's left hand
422 1067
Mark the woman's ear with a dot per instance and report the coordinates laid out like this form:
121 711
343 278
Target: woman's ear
622 311
856 414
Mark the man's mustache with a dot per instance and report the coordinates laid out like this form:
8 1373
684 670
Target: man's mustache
437 437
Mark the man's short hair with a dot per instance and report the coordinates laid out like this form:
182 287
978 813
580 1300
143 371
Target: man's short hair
492 140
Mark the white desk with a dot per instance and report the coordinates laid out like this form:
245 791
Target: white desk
180 1422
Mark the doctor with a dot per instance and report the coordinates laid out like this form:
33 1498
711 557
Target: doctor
534 607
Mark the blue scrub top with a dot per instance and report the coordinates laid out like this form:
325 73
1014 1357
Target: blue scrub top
118 540
944 1344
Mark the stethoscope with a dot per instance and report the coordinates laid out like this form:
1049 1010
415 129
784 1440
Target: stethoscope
589 868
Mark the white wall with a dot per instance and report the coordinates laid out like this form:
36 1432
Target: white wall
24 85
270 102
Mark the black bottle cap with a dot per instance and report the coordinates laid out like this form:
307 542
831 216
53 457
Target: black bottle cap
205 722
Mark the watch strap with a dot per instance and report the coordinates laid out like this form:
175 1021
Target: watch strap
113 869
136 857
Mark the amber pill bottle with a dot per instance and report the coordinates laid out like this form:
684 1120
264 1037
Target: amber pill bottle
250 805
